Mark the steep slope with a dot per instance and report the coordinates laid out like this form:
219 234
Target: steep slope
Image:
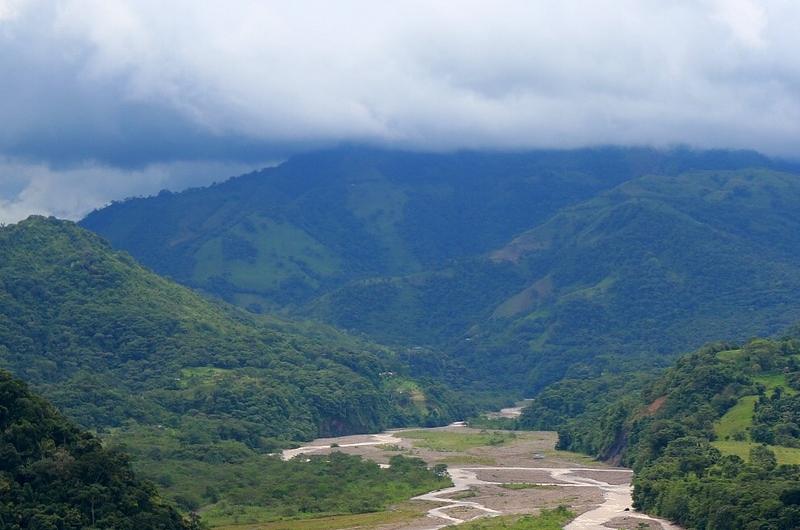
52 475
114 345
284 235
656 266
695 435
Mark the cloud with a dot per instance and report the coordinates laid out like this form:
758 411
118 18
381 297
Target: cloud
129 84
71 193
745 18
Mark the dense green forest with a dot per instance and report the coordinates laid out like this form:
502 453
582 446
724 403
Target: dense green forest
291 233
622 282
54 476
110 342
185 383
494 270
238 487
713 440
572 276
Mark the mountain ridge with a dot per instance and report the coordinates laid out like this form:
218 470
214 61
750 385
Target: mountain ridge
578 259
632 272
75 314
293 231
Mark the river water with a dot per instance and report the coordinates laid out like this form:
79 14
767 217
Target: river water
616 492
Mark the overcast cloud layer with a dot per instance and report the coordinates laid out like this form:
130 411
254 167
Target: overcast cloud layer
102 99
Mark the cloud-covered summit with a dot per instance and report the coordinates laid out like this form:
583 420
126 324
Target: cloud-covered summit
131 85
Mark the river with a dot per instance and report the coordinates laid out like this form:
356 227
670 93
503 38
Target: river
601 495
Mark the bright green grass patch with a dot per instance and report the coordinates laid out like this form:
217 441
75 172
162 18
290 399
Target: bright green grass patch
525 486
546 520
408 389
202 375
785 455
362 520
740 417
277 252
458 441
730 355
773 381
737 420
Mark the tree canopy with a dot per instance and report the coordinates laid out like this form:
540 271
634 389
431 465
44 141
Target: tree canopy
54 476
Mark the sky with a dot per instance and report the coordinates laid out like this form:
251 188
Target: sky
105 99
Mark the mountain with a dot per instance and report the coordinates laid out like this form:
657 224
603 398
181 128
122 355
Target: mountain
285 235
109 341
650 268
53 475
521 268
714 440
152 365
568 274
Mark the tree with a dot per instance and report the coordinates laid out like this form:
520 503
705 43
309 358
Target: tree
763 457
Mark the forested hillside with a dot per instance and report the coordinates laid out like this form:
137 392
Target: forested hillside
650 268
156 367
282 236
54 476
110 342
522 268
714 441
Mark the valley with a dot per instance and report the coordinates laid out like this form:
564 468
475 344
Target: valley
399 266
495 474
569 299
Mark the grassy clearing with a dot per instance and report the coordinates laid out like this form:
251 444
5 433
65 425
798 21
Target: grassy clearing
730 355
450 441
571 456
381 205
785 455
525 486
737 420
740 417
546 520
203 375
467 460
408 392
773 381
277 252
366 520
